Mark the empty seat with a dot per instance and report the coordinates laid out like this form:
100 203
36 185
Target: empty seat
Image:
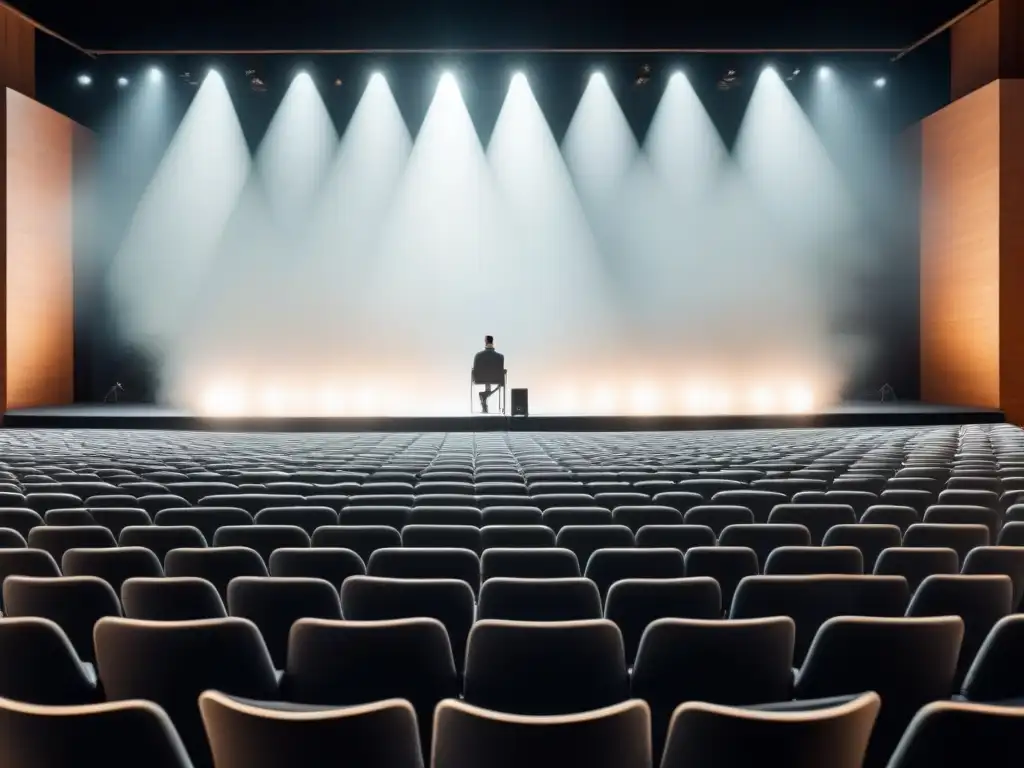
511 515
557 518
539 599
218 565
113 564
207 519
331 564
162 539
274 604
584 540
252 503
507 536
950 514
68 517
688 659
263 539
759 502
810 560
244 733
974 498
1011 535
681 537
526 563
726 565
634 603
811 600
364 540
607 566
74 603
172 663
181 598
357 662
997 674
960 538
908 662
916 564
155 502
45 501
980 601
858 501
448 536
718 518
995 560
869 539
39 665
545 668
763 538
682 501
612 737
892 514
450 601
21 520
395 516
424 563
807 734
126 734
636 517
58 540
548 501
116 519
816 518
308 518
946 733
11 539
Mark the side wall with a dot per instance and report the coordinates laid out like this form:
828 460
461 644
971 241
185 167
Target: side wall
960 251
39 269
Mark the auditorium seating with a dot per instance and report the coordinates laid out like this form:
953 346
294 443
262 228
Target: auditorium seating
671 594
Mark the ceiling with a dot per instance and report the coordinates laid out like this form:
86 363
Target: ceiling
463 23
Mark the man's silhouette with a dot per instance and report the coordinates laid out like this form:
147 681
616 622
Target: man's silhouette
489 369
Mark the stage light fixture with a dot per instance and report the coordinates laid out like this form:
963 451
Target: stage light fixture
84 80
378 75
122 81
880 82
155 75
519 76
824 73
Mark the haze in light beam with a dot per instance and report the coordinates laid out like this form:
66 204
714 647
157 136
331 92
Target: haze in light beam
556 297
178 224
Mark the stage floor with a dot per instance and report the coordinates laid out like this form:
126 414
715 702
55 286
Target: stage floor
125 416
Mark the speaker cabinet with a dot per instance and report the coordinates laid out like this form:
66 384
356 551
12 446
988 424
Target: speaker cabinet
520 402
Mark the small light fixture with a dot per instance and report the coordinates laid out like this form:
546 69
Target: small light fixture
880 82
122 81
84 80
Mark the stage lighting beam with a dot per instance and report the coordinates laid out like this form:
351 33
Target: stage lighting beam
155 75
824 73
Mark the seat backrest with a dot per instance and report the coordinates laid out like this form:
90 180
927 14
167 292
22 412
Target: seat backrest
450 601
545 667
607 566
997 673
634 603
584 540
207 519
112 564
364 540
264 539
811 600
961 538
681 537
612 737
308 518
426 563
181 598
161 539
915 564
126 733
869 539
457 536
529 563
59 539
995 560
816 518
949 733
74 603
810 560
39 665
690 659
832 732
355 662
539 599
332 564
172 663
516 536
218 565
726 565
763 538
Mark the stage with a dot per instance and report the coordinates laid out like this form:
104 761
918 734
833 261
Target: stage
132 416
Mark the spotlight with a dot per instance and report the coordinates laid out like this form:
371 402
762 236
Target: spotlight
824 73
677 75
596 75
122 81
643 75
155 75
338 82
519 77
84 80
880 82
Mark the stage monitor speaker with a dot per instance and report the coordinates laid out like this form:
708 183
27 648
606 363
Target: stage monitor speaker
520 402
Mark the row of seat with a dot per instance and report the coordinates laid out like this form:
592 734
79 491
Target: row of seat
524 668
248 734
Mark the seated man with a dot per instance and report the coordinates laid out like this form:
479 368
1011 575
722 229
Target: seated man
489 370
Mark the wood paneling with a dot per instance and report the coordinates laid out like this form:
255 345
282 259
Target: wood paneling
987 46
17 53
39 270
1011 249
960 251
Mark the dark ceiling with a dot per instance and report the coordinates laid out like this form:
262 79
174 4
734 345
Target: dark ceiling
166 24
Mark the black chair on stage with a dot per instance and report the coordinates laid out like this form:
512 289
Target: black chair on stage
487 376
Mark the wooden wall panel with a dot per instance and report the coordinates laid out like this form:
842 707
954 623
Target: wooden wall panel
1011 249
39 291
974 44
960 251
17 53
